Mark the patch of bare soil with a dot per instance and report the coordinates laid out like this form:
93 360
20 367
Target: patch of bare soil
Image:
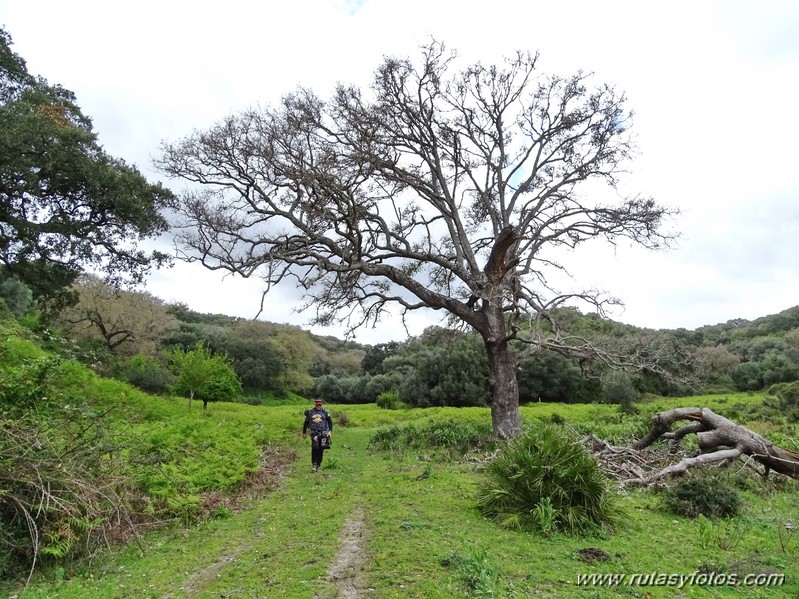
346 571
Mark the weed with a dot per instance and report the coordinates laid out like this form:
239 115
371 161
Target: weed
546 516
730 532
474 572
786 533
705 527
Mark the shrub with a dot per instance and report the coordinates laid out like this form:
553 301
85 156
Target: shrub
146 373
545 480
710 496
619 389
463 435
389 400
787 395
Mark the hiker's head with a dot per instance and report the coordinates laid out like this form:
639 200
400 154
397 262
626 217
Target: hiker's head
317 404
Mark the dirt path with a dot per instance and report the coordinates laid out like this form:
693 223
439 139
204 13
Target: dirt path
202 578
346 571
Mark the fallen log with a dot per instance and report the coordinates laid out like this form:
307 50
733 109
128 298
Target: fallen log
720 440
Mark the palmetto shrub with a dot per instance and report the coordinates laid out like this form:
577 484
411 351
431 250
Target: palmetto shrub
545 480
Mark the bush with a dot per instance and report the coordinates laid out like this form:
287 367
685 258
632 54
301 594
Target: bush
545 480
710 496
389 400
786 393
463 435
145 373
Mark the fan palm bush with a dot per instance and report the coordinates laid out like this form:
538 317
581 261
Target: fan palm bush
545 480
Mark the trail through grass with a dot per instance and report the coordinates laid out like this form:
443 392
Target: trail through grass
405 525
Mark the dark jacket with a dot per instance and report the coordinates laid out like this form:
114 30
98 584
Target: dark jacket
318 421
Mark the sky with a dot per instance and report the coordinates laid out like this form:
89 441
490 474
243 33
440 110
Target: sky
714 86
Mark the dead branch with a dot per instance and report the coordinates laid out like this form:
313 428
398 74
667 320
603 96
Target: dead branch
720 440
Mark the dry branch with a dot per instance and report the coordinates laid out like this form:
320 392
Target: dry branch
720 440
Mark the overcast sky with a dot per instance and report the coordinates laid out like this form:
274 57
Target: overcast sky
714 87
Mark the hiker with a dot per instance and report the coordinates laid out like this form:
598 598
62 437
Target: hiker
321 425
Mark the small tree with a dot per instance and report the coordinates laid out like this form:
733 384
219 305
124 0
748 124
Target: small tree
203 374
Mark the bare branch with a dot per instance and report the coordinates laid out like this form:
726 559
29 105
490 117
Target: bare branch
437 187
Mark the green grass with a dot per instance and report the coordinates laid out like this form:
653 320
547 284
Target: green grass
424 536
422 533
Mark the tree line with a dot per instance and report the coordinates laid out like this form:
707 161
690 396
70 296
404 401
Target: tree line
137 337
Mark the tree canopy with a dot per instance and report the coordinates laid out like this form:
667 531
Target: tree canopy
65 204
205 375
439 187
126 321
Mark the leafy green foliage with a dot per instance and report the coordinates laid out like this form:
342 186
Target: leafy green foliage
436 434
146 373
65 203
447 369
389 400
551 377
54 448
545 480
203 374
710 496
82 457
474 572
619 389
16 295
787 396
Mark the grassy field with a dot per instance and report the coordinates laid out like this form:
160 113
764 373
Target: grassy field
404 524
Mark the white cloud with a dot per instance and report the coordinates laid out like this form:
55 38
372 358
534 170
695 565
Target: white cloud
712 84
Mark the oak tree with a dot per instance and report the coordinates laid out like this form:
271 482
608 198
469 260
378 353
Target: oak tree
65 204
438 187
125 321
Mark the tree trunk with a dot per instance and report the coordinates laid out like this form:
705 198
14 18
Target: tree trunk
504 390
719 439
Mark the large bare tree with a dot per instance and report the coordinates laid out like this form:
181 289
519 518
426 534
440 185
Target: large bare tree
437 187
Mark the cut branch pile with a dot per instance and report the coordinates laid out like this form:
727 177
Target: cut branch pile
624 464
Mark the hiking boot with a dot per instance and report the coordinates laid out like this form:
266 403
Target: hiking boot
316 467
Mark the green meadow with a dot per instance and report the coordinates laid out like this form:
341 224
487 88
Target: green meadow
400 520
